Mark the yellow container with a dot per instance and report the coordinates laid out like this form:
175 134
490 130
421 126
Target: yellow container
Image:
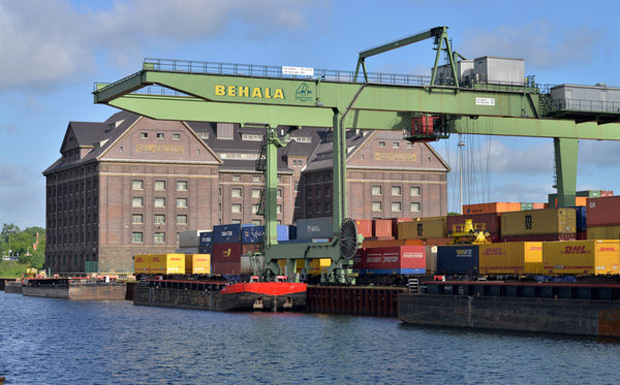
511 258
197 263
589 257
603 232
168 264
142 264
424 228
538 222
317 265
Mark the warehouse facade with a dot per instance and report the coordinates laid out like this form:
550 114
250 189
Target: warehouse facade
131 184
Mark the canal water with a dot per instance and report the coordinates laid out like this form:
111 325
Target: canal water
53 341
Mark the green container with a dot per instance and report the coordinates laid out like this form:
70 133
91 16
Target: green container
527 206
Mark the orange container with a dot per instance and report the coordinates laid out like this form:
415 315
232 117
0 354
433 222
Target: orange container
579 201
393 243
382 228
494 207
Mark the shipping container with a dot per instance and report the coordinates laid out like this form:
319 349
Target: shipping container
197 264
577 97
142 264
538 206
317 265
604 211
438 241
481 222
539 238
190 238
315 228
606 193
457 259
227 268
167 263
431 259
252 248
393 243
590 257
226 252
464 70
582 235
499 70
579 201
395 222
252 234
284 233
491 208
364 227
292 232
510 258
423 228
187 250
382 228
358 260
395 260
227 233
581 218
603 232
247 261
527 206
206 239
546 221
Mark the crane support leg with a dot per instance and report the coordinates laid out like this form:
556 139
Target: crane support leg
566 170
339 174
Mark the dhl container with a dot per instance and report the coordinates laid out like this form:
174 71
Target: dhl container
167 263
604 211
431 259
546 221
382 228
494 207
603 232
481 222
317 265
197 264
590 257
579 201
226 252
227 268
539 238
142 264
423 228
396 221
393 243
438 241
395 260
457 259
510 258
364 227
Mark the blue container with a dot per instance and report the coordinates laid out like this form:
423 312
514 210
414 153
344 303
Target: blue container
580 213
252 235
283 233
228 233
206 242
292 232
457 260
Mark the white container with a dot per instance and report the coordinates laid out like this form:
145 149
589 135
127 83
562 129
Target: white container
499 70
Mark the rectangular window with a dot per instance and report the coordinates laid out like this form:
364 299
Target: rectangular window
409 145
236 221
236 178
415 207
376 206
137 202
137 219
318 207
396 206
181 185
144 135
181 219
160 185
279 208
328 191
395 144
160 202
279 193
160 135
318 192
256 222
381 144
236 193
137 237
236 208
396 191
255 193
376 190
256 179
415 191
160 219
159 238
176 136
137 184
255 209
181 202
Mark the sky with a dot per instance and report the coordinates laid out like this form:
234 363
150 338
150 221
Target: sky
54 50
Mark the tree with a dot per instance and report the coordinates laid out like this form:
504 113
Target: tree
28 245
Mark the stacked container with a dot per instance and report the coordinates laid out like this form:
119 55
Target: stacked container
206 242
552 224
316 228
364 227
163 264
382 228
197 264
511 258
589 257
423 228
394 260
458 260
603 218
491 208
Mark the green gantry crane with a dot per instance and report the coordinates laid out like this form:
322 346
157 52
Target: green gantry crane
273 97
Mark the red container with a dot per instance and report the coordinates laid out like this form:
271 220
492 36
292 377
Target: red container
539 206
364 227
251 248
581 235
490 222
607 193
358 259
382 228
438 241
226 267
540 238
604 211
404 259
396 221
226 252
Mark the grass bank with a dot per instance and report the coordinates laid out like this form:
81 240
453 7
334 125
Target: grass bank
12 269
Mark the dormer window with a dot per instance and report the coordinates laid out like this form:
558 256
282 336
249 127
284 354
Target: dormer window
160 135
144 135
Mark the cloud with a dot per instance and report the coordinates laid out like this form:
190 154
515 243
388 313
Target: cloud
540 43
43 43
604 154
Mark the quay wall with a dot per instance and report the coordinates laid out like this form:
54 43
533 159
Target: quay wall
364 301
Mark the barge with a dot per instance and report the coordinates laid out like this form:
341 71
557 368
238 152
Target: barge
221 295
556 308
74 288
